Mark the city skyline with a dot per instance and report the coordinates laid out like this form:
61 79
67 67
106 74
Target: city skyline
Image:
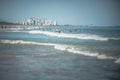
74 12
37 21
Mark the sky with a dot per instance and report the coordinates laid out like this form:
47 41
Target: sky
76 12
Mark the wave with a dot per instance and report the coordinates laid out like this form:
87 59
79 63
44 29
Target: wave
26 55
73 50
117 60
85 53
68 48
66 35
114 39
24 42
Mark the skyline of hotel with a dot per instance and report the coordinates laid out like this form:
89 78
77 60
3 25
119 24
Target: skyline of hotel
38 22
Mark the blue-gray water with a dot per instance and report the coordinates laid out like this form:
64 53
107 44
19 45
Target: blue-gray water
76 53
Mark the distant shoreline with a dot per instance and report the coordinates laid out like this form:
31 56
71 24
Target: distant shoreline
4 24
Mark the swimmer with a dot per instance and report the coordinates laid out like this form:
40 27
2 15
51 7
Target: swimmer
58 31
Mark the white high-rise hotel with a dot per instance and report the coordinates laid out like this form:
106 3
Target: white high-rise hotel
36 21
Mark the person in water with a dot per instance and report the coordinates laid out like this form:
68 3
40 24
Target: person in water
58 31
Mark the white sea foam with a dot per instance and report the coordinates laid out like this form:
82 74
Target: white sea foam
114 38
72 49
67 48
66 35
103 56
117 60
25 42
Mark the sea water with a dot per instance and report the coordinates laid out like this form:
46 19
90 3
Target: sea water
74 53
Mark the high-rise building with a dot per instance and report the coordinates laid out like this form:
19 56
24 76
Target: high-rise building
39 22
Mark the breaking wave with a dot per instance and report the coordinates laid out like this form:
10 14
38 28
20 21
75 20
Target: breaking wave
24 42
73 50
68 48
117 60
66 35
69 35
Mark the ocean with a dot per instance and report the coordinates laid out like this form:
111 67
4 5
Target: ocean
73 53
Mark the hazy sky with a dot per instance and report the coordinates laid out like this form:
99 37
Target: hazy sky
78 12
